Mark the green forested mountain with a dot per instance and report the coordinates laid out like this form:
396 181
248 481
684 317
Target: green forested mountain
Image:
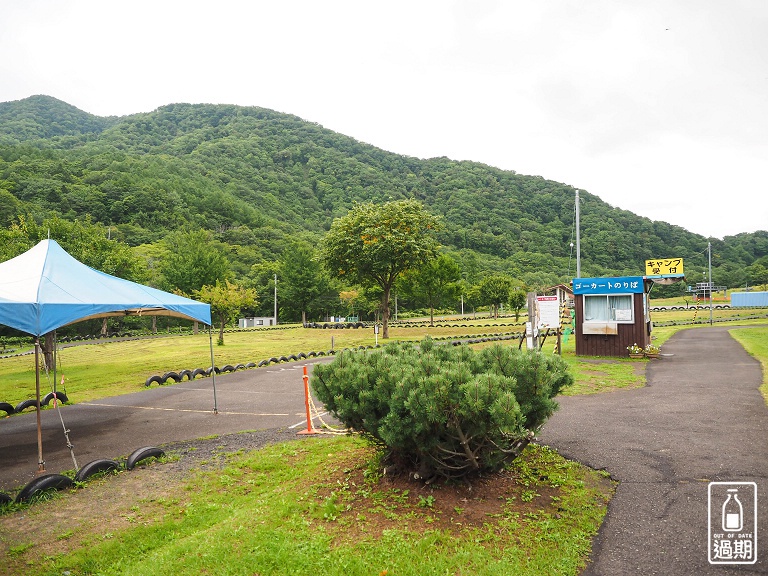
258 180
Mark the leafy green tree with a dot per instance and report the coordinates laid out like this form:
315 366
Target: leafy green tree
226 300
434 283
517 300
193 260
301 280
495 291
377 243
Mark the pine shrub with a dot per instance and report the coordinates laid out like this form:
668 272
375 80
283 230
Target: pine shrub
446 410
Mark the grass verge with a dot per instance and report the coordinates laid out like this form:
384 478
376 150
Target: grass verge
318 506
755 342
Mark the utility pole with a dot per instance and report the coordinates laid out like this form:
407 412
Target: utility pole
578 239
709 254
275 299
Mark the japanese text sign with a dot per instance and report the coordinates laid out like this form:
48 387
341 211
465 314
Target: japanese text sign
618 285
664 267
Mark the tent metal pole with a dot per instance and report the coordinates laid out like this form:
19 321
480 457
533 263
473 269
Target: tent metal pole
213 371
40 462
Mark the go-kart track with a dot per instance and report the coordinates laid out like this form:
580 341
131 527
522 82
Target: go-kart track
263 398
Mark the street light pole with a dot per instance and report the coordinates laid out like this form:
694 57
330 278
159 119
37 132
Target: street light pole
578 239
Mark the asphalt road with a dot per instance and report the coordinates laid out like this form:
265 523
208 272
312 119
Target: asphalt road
701 418
257 399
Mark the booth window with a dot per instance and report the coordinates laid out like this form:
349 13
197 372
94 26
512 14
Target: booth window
608 308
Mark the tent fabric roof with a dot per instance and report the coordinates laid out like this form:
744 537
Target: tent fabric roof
45 288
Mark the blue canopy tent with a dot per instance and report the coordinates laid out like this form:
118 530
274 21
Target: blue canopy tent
45 288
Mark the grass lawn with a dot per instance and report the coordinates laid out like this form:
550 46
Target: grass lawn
319 506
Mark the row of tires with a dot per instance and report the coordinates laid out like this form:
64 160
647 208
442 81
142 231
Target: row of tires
177 377
342 325
24 404
334 325
61 482
698 307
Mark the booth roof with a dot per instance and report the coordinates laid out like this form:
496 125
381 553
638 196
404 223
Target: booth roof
45 288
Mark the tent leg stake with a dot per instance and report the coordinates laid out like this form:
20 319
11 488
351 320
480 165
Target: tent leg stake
213 371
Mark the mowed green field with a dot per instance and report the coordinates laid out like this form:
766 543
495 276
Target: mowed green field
110 367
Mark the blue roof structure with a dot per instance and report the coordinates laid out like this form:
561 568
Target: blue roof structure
45 288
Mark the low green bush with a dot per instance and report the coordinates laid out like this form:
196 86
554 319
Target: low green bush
446 410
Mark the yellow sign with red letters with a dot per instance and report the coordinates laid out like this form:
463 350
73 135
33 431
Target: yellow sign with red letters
664 267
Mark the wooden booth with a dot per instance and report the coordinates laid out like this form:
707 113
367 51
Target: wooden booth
611 314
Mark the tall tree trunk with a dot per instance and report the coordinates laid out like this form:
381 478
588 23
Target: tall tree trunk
221 330
47 346
385 312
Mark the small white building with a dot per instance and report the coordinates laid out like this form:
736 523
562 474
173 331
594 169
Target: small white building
257 322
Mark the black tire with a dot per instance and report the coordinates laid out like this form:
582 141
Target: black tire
171 376
24 404
142 454
94 467
197 372
302 355
7 408
251 365
228 368
154 378
274 360
186 374
293 357
5 499
263 363
240 367
60 396
45 482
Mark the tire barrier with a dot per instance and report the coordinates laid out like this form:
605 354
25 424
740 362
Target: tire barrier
61 481
24 404
171 376
42 483
60 396
96 466
158 379
186 374
142 454
7 408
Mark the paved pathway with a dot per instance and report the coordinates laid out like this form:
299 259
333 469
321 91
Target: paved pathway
701 418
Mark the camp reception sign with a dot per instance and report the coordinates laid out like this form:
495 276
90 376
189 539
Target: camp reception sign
664 267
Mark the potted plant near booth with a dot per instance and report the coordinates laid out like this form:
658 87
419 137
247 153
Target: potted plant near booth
651 351
635 351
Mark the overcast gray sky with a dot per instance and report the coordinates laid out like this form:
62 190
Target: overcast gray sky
656 106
